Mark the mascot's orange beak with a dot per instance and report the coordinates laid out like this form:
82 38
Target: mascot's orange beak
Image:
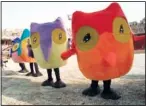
109 59
106 47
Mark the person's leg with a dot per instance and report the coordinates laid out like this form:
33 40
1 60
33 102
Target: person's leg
32 71
38 73
59 83
23 68
93 90
49 81
108 93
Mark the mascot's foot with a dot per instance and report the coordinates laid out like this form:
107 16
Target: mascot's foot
38 74
59 84
47 83
91 92
110 95
23 71
31 74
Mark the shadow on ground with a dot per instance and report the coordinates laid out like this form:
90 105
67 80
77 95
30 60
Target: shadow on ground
130 87
9 72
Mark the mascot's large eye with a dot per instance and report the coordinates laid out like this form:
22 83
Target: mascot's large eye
35 39
15 47
59 36
86 38
121 30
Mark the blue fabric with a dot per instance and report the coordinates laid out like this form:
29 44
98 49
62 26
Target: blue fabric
25 34
16 40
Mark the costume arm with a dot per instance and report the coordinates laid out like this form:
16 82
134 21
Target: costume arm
65 55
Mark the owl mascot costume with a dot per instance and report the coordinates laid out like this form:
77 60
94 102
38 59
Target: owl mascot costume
15 57
23 53
49 40
103 44
14 51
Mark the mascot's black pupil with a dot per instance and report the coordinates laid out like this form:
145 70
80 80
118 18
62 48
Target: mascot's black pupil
86 38
60 36
34 40
121 29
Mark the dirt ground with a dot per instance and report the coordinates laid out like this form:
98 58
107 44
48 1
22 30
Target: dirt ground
18 89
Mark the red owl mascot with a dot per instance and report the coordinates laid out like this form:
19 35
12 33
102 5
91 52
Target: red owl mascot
103 44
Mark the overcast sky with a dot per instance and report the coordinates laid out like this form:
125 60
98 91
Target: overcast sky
21 14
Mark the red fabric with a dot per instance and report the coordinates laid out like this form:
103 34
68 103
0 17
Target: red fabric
141 37
65 55
95 19
139 42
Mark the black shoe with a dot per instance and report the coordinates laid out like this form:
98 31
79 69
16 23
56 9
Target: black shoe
23 71
91 92
39 74
30 74
47 83
59 84
110 95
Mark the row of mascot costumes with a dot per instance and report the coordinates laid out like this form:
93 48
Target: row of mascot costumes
48 41
101 40
47 44
19 50
95 46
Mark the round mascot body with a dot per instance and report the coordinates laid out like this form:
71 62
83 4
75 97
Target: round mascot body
49 40
103 43
23 50
14 51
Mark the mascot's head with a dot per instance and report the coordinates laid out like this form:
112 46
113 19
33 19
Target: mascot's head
49 40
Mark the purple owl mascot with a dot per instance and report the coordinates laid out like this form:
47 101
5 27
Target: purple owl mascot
48 41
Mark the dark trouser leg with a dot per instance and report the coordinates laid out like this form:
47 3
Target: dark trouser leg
57 74
49 72
108 93
31 68
93 90
107 85
38 73
32 71
49 81
23 68
59 83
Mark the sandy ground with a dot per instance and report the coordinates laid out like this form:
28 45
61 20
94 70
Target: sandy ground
17 89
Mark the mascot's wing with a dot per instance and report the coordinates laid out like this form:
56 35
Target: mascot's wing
25 34
65 55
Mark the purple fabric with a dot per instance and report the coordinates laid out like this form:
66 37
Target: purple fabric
30 52
45 31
